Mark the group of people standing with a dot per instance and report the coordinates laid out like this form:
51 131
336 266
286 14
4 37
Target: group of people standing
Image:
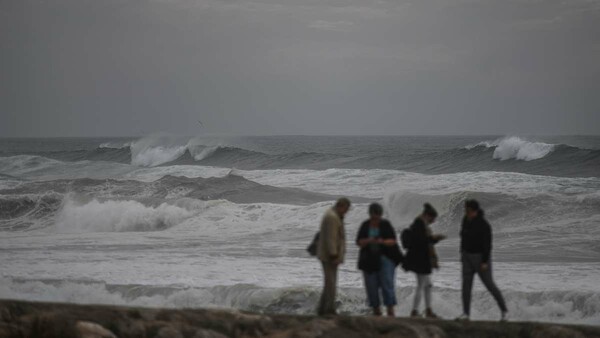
380 255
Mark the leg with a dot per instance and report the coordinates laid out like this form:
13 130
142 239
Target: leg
322 300
488 281
327 304
372 287
427 290
467 283
333 270
418 291
387 278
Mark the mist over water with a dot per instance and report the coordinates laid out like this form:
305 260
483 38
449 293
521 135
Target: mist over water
223 222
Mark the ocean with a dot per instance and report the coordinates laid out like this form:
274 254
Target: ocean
223 222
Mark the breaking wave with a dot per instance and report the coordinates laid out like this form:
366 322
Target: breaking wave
155 150
508 154
516 148
108 205
505 154
118 216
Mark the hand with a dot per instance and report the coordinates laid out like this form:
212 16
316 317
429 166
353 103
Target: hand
337 261
484 266
440 237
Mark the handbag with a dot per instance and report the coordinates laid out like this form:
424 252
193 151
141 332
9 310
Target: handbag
312 247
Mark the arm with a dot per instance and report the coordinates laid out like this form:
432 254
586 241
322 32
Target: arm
365 241
389 242
329 234
436 238
389 237
487 242
362 239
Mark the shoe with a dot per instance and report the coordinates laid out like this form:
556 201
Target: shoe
462 318
430 314
415 314
503 316
376 311
390 311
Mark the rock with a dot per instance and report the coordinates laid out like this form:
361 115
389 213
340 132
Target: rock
314 328
208 334
555 332
37 319
168 332
131 328
92 330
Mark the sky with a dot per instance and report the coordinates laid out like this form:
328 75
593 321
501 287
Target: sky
300 67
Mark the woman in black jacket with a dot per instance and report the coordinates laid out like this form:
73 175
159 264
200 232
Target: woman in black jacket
476 248
421 257
379 255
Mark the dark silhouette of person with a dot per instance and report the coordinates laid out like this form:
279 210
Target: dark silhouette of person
378 258
421 257
331 249
476 248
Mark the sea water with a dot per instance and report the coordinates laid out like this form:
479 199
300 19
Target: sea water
167 221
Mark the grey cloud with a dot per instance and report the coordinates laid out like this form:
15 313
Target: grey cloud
123 67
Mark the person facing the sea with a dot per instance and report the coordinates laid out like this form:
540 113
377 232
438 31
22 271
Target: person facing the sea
421 257
378 257
330 251
475 249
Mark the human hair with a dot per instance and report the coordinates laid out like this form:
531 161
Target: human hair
429 210
342 202
375 209
472 204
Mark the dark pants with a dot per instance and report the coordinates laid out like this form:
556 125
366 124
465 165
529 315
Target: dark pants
471 264
327 302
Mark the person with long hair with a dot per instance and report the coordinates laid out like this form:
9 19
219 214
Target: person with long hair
421 257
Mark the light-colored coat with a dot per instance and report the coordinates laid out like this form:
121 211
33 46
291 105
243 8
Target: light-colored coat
332 238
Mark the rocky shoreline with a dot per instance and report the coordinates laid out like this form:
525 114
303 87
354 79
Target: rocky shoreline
36 319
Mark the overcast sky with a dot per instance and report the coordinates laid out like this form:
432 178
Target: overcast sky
256 67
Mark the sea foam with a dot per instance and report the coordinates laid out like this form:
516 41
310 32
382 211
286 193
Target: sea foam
514 147
115 215
517 148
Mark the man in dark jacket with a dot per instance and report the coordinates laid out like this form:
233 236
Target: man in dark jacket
476 248
421 258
